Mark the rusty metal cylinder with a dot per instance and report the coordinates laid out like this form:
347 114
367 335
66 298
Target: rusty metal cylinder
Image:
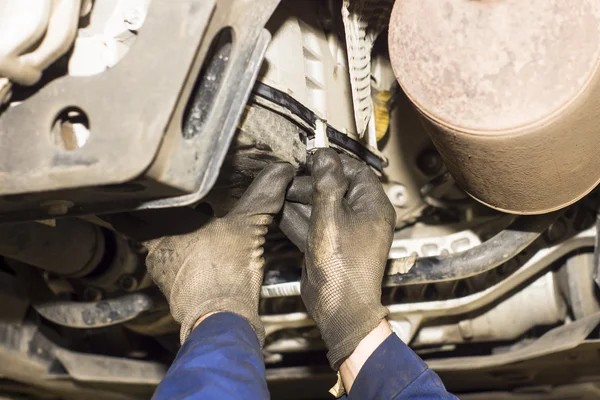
510 94
71 248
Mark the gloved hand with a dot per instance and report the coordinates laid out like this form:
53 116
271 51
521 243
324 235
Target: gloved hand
219 267
349 238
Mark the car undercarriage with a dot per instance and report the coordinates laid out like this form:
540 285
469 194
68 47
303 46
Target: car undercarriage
479 118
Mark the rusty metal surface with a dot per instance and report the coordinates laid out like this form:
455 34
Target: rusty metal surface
69 248
126 119
95 314
509 91
185 162
138 155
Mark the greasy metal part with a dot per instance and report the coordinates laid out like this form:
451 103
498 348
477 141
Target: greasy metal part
112 171
31 358
154 324
262 137
406 140
558 339
416 313
436 245
509 102
578 288
192 161
123 267
506 321
557 376
97 314
13 298
311 121
488 255
417 270
71 247
307 60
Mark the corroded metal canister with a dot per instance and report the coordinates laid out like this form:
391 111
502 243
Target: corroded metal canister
510 92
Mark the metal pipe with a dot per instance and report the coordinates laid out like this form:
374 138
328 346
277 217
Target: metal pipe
430 310
485 257
477 260
72 247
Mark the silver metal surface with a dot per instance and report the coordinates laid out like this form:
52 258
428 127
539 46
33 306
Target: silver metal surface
422 247
417 313
507 320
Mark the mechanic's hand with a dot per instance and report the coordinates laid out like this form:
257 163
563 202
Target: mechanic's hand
349 238
219 267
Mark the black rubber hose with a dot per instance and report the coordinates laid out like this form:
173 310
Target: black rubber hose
485 257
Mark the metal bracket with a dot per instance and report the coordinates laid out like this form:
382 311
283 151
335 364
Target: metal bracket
136 156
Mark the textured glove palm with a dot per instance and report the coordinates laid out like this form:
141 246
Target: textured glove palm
219 267
349 239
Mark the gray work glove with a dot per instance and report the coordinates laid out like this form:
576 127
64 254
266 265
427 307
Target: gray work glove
219 267
349 238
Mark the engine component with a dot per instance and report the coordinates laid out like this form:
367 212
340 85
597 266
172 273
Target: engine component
13 298
579 290
53 248
411 270
304 81
506 321
411 315
363 22
509 101
95 314
179 168
488 255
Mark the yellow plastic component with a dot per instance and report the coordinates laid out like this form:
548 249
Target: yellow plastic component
382 114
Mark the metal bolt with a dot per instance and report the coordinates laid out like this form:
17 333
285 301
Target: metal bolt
57 207
556 231
133 18
92 294
128 283
397 195
430 162
466 329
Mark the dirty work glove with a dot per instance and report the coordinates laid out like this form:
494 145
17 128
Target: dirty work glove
349 238
219 267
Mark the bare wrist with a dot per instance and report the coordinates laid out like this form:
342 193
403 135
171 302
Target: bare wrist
352 365
202 318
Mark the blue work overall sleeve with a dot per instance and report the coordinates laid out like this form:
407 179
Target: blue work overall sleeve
222 359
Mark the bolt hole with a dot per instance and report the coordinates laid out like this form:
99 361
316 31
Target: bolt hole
70 129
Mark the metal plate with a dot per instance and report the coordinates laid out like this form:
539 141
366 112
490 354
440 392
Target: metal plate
136 156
